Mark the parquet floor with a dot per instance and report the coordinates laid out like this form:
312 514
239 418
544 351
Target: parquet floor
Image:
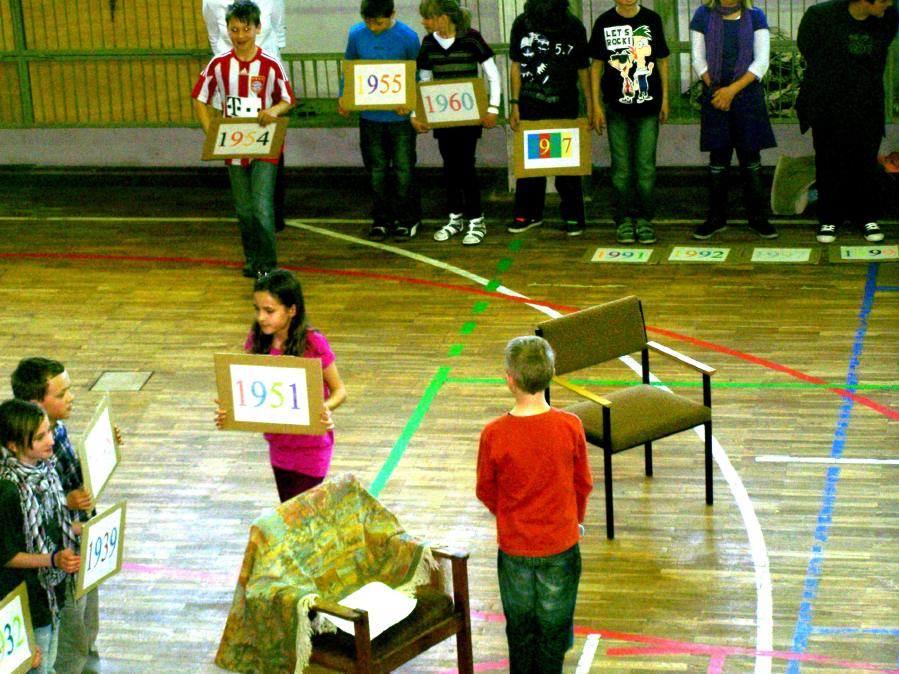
793 569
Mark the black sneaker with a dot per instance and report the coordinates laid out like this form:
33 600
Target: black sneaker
573 228
378 232
522 225
827 233
405 231
709 228
872 232
763 228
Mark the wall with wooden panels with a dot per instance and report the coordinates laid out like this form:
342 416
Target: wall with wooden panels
88 92
113 24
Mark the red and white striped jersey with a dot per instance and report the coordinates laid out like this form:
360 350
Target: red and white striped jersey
245 87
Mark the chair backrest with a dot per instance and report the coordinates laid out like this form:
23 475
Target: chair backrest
596 334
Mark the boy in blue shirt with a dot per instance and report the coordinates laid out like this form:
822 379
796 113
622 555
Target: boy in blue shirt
386 137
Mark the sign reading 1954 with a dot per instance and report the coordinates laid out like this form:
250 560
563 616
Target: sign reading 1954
243 138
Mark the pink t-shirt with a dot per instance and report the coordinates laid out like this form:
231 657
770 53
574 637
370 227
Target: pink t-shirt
307 454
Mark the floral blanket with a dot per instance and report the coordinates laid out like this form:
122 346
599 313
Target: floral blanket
327 542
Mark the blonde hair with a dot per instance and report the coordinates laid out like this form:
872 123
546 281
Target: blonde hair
460 16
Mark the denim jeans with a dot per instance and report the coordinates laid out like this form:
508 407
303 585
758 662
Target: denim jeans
538 595
253 188
388 153
46 638
632 146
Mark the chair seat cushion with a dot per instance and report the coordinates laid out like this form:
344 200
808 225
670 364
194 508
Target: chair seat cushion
640 414
433 606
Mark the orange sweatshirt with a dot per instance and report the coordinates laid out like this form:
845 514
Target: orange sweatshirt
533 474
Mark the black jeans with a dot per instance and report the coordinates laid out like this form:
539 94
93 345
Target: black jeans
846 174
458 148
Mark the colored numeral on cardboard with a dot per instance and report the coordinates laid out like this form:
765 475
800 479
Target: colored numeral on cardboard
781 254
16 636
691 254
551 145
634 255
869 252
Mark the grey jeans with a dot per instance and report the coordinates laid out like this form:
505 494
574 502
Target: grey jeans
79 622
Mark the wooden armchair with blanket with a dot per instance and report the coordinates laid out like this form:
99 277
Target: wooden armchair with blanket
313 551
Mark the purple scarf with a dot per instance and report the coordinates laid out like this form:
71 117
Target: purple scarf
714 42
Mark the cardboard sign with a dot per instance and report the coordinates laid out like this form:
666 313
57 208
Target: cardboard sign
16 635
378 85
443 103
273 394
552 147
98 450
236 138
102 543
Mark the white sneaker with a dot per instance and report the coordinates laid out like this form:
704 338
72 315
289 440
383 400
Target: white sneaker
872 232
455 226
827 234
477 230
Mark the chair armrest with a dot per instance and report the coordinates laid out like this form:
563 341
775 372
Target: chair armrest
581 391
337 610
446 553
681 358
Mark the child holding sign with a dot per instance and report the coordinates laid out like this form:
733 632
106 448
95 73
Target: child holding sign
452 49
252 84
46 383
39 538
548 54
386 138
281 328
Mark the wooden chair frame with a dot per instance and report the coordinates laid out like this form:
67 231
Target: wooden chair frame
365 660
607 405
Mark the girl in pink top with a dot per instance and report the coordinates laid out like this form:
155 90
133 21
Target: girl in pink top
299 462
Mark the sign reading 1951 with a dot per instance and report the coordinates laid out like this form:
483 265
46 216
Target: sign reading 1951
277 394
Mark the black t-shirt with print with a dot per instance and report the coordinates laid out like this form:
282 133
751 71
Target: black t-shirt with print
550 61
629 49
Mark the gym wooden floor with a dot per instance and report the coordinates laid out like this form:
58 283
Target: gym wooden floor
793 569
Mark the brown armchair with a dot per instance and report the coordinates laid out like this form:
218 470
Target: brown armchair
636 415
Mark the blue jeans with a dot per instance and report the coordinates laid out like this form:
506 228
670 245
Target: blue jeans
253 188
538 595
632 146
388 153
46 638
